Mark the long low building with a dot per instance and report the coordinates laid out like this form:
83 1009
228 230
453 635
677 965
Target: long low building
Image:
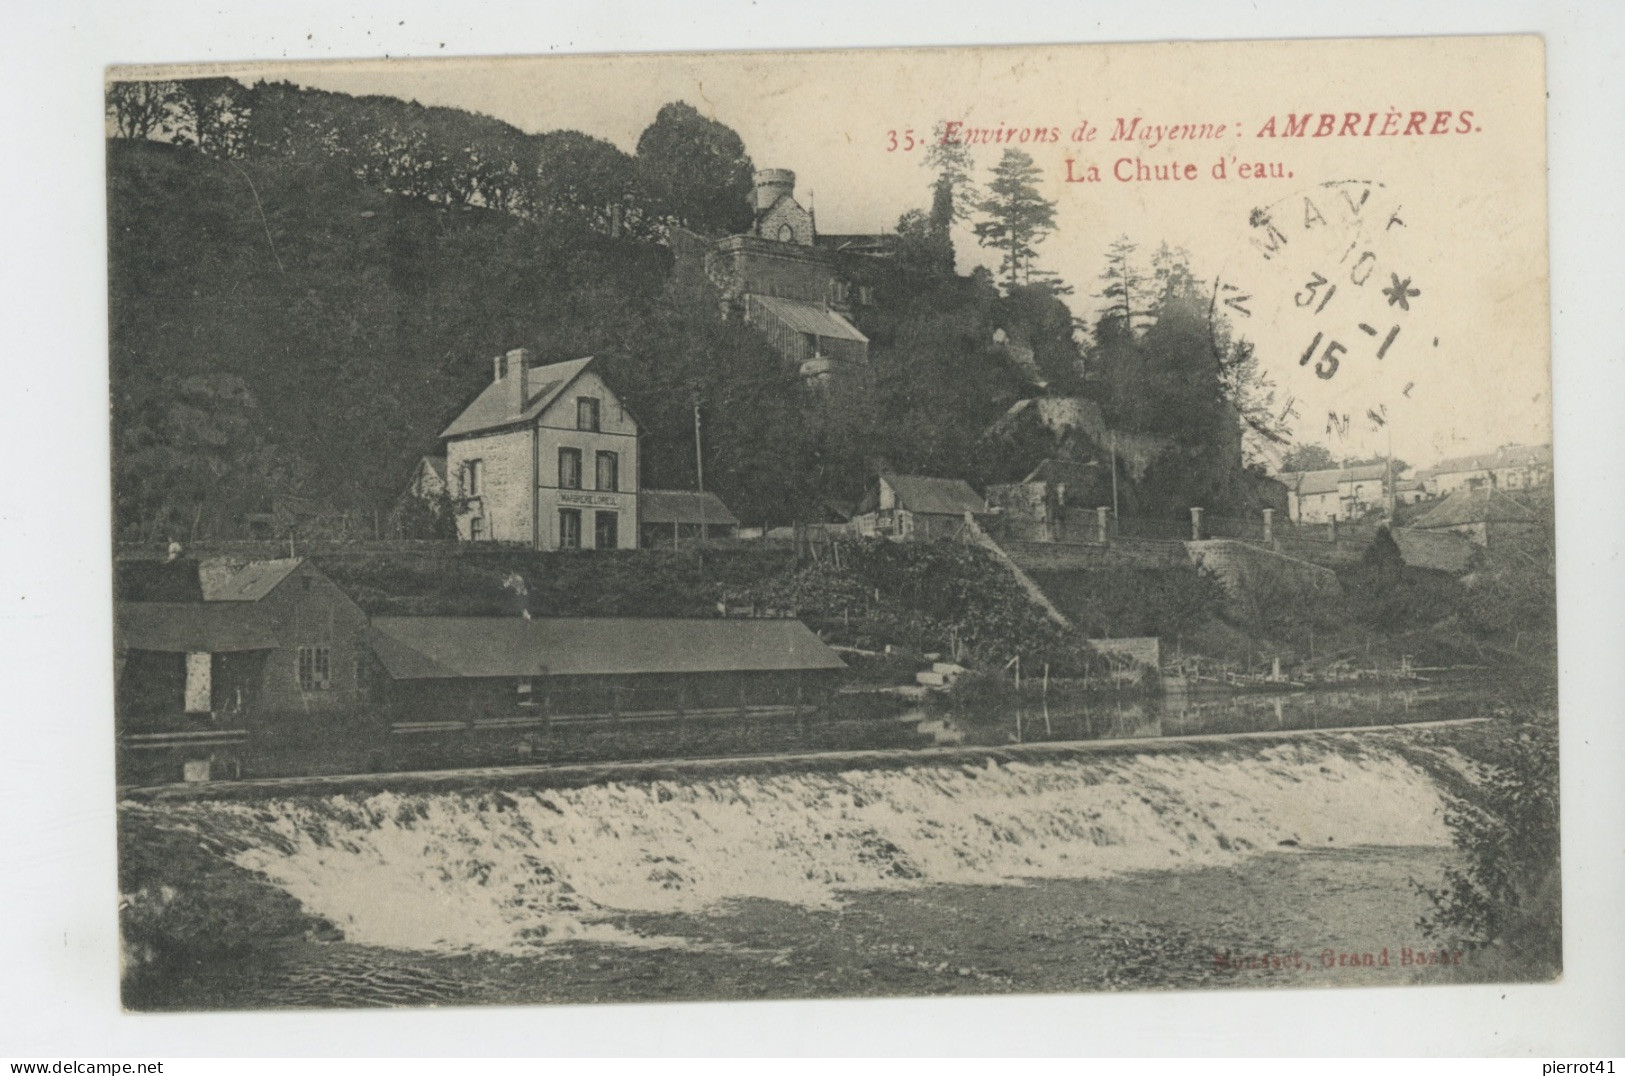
462 669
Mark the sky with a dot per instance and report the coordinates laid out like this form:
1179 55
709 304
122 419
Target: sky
1457 216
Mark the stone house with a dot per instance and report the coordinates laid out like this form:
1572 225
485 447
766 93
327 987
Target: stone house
1510 467
917 507
546 456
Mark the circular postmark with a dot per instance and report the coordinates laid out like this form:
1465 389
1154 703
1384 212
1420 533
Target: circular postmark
1329 285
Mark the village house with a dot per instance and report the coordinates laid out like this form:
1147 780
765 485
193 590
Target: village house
473 672
1510 467
913 506
1056 497
1482 515
778 278
546 456
206 650
1341 493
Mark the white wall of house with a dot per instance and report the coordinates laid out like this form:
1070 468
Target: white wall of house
557 428
499 509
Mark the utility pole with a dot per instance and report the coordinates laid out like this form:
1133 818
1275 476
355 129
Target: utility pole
1114 477
699 468
1390 462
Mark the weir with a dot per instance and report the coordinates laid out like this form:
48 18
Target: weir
516 870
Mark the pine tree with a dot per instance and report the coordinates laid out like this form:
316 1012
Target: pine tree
1019 218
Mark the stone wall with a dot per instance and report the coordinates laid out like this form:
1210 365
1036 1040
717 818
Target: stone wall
1248 570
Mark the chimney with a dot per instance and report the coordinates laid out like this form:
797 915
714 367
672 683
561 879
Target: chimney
513 370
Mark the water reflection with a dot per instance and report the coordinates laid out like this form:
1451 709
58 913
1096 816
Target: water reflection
1032 720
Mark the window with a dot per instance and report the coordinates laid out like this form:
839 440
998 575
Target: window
475 476
786 233
609 471
606 530
587 413
569 528
524 691
569 468
476 529
315 668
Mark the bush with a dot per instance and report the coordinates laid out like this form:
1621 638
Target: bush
1508 891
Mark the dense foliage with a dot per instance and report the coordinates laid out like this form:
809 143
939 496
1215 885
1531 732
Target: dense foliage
1507 890
307 286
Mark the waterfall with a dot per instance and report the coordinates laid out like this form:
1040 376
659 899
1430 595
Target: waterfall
518 869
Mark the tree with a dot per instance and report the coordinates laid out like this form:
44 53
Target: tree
694 171
1122 290
213 115
1018 217
141 109
1308 457
583 178
954 187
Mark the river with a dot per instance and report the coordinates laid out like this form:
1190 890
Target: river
1227 863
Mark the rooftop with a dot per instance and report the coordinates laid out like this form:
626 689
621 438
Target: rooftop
803 317
424 648
493 408
935 496
228 581
684 506
1474 506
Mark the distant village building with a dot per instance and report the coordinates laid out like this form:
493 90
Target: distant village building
452 670
780 279
1510 467
1341 493
428 478
917 507
546 456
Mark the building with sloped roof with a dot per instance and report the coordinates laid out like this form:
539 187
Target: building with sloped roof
1482 515
558 668
780 279
916 506
250 644
1510 467
1338 493
672 517
546 456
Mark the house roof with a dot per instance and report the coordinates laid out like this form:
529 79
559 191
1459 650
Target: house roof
181 627
1474 506
935 496
493 407
428 648
683 506
226 581
1306 483
804 317
436 464
1503 457
1440 550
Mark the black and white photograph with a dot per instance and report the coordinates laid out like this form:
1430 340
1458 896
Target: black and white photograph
824 525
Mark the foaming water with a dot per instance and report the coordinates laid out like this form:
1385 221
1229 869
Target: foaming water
516 870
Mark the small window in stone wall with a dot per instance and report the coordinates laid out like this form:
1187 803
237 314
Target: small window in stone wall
315 668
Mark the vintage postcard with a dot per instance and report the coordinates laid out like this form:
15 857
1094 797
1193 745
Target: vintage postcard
799 525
